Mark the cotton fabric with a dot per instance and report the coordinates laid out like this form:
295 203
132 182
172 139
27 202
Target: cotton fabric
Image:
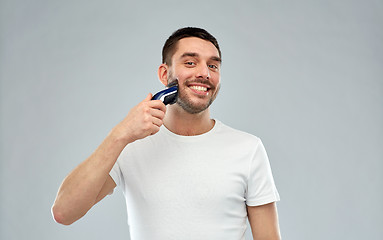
193 187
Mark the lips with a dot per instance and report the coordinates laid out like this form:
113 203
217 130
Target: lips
199 88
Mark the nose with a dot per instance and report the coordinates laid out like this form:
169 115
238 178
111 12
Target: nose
203 72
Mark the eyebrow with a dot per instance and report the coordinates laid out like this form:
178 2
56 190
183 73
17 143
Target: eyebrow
192 54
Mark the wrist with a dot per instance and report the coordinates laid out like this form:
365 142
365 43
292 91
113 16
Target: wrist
119 137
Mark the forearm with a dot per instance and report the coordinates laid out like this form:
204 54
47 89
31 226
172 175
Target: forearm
89 182
79 190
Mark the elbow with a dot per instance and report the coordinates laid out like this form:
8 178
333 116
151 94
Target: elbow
60 217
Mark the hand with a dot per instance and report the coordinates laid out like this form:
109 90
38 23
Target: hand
143 120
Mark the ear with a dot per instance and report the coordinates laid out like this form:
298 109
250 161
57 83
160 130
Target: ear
163 70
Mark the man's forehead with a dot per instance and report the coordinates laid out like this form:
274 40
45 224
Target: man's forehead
197 46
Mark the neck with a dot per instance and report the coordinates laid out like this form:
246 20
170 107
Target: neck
183 123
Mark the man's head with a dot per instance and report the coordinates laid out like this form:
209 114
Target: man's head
170 45
192 56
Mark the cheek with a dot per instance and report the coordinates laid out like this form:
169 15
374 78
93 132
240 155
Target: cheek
216 79
180 75
184 74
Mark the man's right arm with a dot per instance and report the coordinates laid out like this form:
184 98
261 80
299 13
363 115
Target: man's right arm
90 182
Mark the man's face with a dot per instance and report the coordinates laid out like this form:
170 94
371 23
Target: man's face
196 64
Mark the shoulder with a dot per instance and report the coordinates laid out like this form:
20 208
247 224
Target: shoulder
237 135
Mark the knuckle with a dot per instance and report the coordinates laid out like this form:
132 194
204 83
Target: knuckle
147 126
145 109
156 130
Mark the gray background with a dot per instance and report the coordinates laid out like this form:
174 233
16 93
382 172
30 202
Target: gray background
305 76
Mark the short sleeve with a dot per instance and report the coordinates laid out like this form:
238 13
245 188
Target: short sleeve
261 188
116 172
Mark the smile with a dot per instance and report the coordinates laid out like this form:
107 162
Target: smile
199 88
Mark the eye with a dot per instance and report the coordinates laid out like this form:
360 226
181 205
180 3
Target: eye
213 66
189 63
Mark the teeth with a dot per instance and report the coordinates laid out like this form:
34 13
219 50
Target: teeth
199 88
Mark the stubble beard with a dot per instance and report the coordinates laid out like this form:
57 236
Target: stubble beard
185 101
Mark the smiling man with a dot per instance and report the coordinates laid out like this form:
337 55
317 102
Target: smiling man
191 54
184 175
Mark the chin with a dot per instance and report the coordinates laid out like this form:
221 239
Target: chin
193 108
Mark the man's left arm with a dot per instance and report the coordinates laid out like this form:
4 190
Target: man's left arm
264 222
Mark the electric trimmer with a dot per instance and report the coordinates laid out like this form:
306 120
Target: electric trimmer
168 95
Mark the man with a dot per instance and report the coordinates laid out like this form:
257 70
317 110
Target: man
184 175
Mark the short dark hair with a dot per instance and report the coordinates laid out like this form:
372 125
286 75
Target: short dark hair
170 45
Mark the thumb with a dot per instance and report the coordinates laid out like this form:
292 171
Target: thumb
148 97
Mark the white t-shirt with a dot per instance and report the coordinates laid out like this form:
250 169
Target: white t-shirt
193 187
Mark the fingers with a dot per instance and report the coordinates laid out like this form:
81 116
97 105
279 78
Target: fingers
157 122
157 104
149 116
143 120
157 113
